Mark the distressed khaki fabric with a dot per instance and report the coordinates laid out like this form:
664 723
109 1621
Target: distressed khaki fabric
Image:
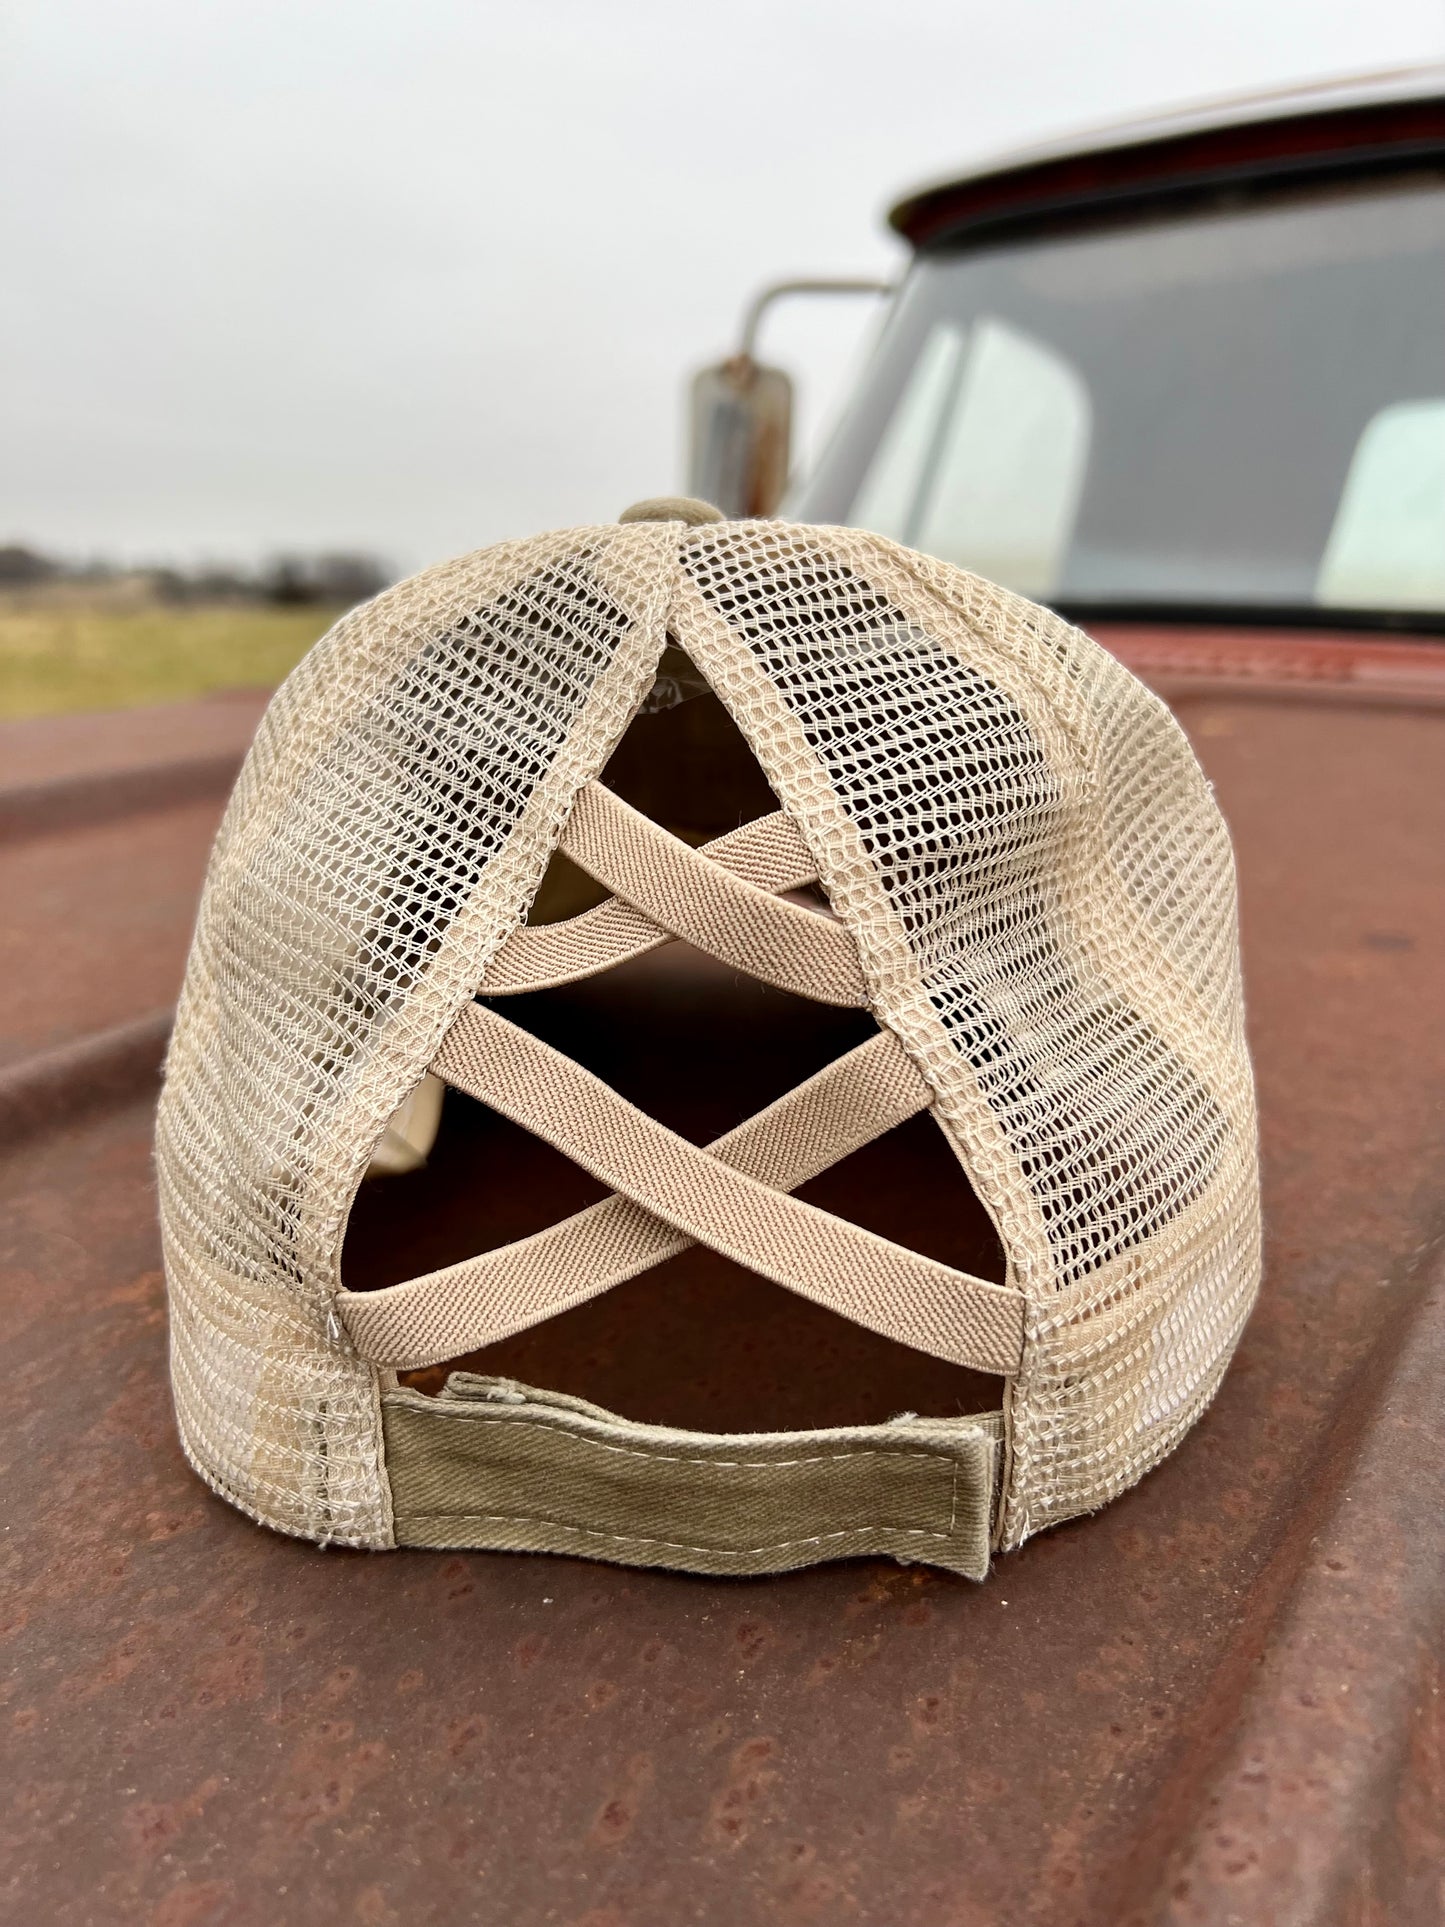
495 1464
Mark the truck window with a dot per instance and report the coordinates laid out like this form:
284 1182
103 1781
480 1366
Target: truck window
1387 545
983 461
1232 408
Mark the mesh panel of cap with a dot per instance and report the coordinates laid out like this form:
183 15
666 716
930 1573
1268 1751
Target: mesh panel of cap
1013 829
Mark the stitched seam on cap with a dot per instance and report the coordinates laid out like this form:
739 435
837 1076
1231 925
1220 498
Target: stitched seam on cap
673 1458
673 1545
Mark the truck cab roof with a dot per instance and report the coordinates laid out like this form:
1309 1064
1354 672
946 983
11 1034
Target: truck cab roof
1381 119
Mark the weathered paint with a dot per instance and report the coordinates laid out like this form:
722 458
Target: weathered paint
1217 1701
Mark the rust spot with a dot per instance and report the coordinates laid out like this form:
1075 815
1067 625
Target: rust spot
617 1815
529 1650
193 1903
751 1638
927 1713
153 1826
373 1909
464 1734
749 1779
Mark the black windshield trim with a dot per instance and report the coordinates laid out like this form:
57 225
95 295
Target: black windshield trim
1262 615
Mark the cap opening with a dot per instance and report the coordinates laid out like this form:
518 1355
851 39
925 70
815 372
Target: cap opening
697 1341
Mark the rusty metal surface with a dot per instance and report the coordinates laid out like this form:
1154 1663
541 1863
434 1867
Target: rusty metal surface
97 743
105 824
1216 1702
1361 671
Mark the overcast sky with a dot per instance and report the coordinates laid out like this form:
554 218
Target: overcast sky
413 275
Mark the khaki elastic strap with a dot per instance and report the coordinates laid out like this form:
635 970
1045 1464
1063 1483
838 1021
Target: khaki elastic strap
867 1278
495 1464
465 1306
768 853
688 893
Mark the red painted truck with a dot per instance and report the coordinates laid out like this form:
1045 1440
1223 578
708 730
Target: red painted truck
1185 381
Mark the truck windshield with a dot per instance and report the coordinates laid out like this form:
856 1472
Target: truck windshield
1239 411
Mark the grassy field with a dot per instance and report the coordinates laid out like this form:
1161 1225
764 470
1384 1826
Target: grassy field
62 653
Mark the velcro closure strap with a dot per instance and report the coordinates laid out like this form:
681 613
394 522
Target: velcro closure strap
496 1465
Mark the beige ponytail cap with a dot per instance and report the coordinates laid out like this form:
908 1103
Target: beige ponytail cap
1033 929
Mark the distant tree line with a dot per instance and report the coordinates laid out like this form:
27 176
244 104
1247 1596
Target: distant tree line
323 578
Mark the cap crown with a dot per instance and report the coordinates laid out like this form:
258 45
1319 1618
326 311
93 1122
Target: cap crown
1013 830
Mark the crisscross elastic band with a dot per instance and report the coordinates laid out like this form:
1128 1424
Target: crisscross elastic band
877 1283
733 1195
465 1306
691 1195
711 905
768 853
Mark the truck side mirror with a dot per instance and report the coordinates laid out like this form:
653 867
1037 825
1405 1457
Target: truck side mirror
741 440
741 429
